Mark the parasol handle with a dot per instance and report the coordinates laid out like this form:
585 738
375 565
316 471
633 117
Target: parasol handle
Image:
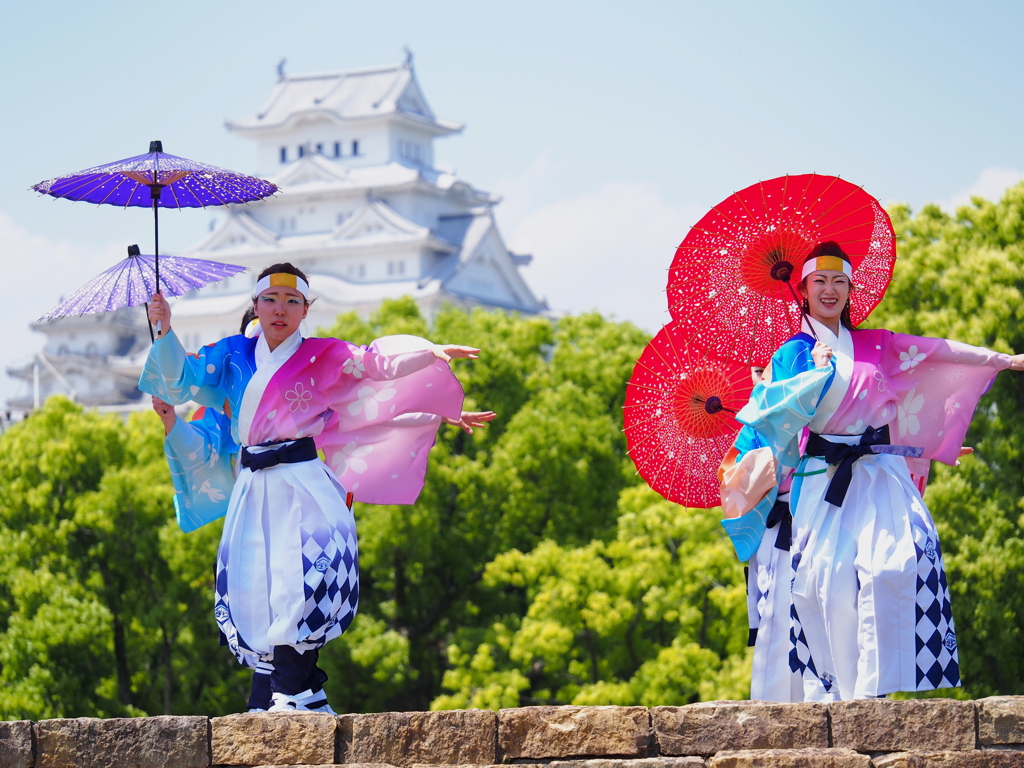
154 193
782 271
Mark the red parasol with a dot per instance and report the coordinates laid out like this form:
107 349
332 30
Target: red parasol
732 284
679 417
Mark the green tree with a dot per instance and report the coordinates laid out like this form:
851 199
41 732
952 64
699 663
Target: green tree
105 606
550 468
656 615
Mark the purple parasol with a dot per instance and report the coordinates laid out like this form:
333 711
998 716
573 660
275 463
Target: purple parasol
132 282
157 180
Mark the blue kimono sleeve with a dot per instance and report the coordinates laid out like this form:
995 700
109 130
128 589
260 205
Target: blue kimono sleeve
177 377
199 454
780 407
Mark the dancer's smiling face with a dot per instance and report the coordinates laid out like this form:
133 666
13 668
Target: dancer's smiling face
280 310
827 292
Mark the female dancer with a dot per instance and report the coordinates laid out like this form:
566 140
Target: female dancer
870 605
287 567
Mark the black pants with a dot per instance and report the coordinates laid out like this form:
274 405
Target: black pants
293 672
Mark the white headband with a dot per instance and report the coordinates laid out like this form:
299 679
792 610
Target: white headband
281 279
833 263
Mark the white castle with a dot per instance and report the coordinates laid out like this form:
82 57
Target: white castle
362 210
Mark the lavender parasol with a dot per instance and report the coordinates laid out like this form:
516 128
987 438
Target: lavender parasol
132 282
159 180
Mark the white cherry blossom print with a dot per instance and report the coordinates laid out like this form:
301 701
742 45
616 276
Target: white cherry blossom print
907 413
911 358
368 401
856 429
881 381
956 375
298 398
354 367
351 457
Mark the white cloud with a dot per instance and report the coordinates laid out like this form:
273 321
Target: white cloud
990 185
608 250
520 193
38 271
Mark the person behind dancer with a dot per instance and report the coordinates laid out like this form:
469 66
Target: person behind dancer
287 570
871 612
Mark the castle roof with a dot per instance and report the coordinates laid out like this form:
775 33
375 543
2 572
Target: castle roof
356 94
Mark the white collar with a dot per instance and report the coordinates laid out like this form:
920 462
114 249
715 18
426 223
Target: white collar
283 351
842 361
821 331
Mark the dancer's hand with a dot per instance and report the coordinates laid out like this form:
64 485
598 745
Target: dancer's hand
821 354
965 450
1017 363
471 419
160 312
166 413
447 352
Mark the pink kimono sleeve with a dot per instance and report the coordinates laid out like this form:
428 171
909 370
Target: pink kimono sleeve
937 384
376 454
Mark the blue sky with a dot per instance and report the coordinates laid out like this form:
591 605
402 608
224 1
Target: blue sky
609 127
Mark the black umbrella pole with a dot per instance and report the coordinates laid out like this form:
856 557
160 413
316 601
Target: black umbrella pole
149 325
155 194
803 312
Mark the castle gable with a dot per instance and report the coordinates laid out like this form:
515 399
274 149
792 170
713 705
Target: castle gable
376 219
237 229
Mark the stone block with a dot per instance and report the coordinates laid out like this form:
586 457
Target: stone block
640 762
880 725
975 758
16 744
140 742
713 726
452 737
538 733
790 758
1000 720
267 738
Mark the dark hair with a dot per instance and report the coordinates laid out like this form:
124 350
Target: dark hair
287 268
248 317
831 248
827 248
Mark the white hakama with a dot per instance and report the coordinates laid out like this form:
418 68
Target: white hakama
869 589
287 567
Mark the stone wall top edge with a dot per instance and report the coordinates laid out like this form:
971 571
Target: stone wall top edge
661 707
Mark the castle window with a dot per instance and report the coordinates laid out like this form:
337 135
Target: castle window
401 267
355 147
337 149
362 270
391 267
284 154
319 149
302 151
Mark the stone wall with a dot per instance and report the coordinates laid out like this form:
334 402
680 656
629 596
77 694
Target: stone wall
938 733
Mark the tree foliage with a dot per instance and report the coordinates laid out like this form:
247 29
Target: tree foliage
104 603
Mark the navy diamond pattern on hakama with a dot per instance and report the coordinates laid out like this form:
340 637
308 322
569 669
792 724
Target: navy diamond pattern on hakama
938 664
331 574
